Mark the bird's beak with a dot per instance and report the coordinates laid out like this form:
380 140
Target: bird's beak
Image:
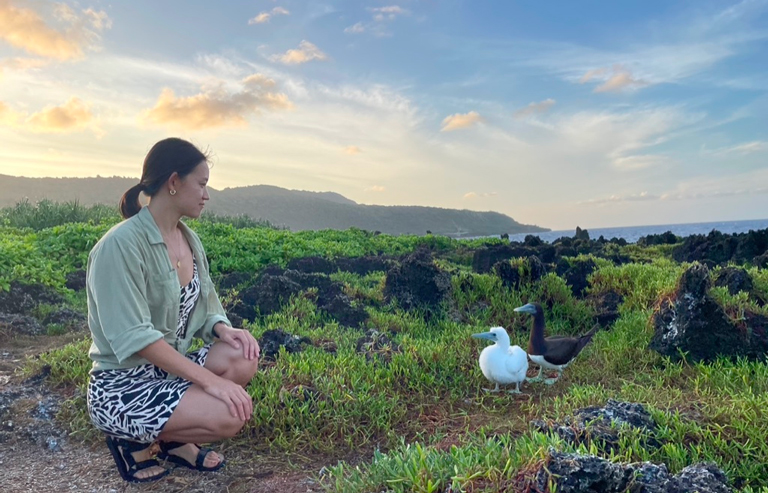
484 335
529 308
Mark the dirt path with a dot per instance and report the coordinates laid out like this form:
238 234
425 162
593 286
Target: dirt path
36 455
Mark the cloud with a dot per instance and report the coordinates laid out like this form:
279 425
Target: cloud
591 74
72 116
216 106
376 188
24 28
20 63
742 149
458 120
355 28
352 150
533 108
304 53
474 195
388 13
619 79
265 16
613 199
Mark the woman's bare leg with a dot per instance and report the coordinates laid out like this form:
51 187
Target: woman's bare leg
202 418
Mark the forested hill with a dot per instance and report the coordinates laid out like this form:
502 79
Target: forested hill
295 209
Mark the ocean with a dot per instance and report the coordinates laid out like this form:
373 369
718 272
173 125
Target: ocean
633 233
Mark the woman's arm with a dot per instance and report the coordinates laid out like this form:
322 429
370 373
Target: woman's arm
162 355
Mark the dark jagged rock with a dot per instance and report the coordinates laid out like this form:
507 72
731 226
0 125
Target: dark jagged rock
13 323
265 297
76 280
484 258
71 319
23 298
666 238
721 248
692 322
335 303
581 234
272 340
535 268
313 264
575 274
598 425
735 279
417 282
272 291
606 306
577 473
761 261
510 276
364 265
532 241
233 280
376 345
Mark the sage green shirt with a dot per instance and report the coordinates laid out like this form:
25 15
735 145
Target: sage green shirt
134 294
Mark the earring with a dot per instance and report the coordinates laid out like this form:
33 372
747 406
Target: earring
173 192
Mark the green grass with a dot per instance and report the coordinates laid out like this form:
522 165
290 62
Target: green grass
418 417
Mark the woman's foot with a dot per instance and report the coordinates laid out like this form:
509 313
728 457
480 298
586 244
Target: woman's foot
135 461
190 455
144 455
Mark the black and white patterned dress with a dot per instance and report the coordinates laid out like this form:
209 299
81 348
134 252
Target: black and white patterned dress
135 403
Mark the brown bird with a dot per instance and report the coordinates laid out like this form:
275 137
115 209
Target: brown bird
555 352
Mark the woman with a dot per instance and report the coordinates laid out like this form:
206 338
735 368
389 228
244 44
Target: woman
149 294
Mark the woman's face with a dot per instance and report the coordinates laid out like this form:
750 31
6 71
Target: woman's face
193 191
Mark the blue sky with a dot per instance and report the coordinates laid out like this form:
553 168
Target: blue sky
556 113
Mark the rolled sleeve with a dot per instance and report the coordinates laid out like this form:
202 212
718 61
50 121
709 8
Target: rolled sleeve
118 289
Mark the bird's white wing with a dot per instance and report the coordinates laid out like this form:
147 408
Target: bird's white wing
517 360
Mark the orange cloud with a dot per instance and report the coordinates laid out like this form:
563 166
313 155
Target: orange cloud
217 107
24 28
265 16
71 116
620 79
352 150
532 108
306 52
458 120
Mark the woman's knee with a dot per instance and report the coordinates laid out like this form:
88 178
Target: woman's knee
229 427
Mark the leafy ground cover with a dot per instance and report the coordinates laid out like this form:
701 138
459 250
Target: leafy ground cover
403 394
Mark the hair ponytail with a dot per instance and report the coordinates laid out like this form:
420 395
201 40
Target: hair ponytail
129 203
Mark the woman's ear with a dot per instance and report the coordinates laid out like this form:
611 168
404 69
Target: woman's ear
174 181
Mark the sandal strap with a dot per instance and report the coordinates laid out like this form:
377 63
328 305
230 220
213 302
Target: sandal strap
201 455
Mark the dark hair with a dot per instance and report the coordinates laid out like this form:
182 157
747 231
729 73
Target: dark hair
168 156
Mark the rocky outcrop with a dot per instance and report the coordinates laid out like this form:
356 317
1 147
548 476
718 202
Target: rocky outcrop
417 282
576 473
692 323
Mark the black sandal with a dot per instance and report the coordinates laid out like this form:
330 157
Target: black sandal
127 466
165 454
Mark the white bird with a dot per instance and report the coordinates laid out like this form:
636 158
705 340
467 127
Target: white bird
500 363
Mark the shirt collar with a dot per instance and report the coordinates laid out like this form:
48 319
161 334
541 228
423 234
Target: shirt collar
153 231
150 226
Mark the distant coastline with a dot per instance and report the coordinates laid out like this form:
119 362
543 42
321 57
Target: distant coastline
632 233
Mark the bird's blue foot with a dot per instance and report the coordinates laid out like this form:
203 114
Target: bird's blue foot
550 381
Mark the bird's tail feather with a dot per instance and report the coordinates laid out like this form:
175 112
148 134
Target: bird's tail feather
584 340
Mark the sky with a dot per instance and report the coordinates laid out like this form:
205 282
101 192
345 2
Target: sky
559 113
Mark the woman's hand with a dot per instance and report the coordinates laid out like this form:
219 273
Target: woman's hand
234 396
239 338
